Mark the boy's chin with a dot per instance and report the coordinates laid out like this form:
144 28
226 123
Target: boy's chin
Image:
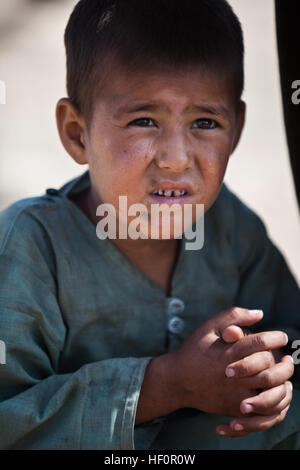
157 232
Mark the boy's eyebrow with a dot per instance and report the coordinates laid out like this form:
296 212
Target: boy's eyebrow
137 107
218 110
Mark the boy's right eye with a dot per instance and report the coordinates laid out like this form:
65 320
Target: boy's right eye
143 122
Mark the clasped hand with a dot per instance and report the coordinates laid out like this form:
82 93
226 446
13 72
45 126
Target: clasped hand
220 370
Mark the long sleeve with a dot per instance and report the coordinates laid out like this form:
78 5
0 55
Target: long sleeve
91 408
43 403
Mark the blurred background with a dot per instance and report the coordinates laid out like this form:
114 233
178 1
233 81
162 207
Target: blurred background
32 65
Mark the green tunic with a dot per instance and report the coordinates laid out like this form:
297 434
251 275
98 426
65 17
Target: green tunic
80 323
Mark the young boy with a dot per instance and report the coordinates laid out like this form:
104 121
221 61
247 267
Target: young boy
123 343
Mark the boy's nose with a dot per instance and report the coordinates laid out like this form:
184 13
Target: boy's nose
173 152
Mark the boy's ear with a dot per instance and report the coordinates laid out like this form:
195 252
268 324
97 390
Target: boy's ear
71 128
241 115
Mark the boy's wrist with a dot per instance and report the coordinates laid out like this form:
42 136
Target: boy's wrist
159 395
169 376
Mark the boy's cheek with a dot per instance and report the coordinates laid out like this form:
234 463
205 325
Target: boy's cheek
213 151
137 152
211 170
129 158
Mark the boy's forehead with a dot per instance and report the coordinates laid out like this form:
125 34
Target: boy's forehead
160 89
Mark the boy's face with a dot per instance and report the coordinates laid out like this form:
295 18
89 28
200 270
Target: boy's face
150 130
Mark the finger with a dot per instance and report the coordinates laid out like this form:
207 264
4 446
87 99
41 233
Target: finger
232 333
226 430
250 365
242 427
269 402
257 423
236 316
272 377
264 341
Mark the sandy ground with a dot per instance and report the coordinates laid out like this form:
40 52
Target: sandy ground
32 64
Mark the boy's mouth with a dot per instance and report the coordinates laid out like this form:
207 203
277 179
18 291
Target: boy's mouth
171 193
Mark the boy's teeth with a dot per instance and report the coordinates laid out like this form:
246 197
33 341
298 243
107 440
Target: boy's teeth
170 192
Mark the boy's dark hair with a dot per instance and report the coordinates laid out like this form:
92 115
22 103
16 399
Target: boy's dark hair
102 35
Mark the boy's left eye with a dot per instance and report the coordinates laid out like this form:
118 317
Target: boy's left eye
205 124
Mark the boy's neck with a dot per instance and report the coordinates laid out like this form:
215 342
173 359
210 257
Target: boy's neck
155 258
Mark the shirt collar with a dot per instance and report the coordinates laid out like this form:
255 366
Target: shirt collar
76 185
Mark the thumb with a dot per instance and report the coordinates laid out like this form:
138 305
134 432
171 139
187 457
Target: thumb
236 316
232 333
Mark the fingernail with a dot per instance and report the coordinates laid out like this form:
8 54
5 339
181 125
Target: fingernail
219 431
291 386
255 312
246 408
230 372
238 427
291 359
286 338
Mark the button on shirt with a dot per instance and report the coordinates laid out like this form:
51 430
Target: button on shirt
175 306
80 322
175 322
175 325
